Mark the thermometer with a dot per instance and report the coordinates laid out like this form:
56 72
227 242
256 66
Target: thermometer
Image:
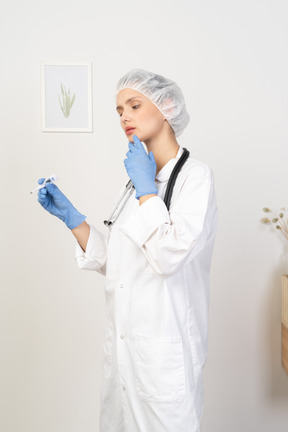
53 178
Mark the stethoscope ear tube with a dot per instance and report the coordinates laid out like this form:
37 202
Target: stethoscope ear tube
173 177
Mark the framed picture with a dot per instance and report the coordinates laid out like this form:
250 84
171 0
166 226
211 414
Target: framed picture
66 97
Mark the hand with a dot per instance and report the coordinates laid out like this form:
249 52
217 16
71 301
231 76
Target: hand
56 203
141 168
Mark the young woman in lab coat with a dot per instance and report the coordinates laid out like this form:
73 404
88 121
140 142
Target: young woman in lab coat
156 265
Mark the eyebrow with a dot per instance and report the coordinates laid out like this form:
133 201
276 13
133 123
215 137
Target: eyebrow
128 100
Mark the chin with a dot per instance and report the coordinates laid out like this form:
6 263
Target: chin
130 138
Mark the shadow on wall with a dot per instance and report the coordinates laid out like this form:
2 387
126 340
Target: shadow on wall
278 379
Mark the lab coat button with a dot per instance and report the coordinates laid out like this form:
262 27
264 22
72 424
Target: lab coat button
122 336
121 286
123 388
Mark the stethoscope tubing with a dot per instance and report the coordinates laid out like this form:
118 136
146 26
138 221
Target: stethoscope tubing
130 187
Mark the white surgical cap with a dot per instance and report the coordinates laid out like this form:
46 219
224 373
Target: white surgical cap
163 92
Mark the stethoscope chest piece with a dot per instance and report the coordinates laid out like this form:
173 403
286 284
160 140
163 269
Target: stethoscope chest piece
129 188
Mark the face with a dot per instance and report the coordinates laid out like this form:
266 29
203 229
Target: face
139 114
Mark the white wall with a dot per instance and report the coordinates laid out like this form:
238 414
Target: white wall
230 59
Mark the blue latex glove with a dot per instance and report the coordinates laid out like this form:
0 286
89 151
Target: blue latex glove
141 168
56 203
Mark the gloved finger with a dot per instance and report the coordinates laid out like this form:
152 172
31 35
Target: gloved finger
42 192
129 153
151 156
52 189
41 197
138 143
41 180
132 147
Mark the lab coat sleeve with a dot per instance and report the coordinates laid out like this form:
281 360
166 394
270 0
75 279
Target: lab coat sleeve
94 258
170 239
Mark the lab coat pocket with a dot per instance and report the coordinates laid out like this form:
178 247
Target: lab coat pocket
107 351
159 368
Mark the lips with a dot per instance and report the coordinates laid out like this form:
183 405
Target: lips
129 130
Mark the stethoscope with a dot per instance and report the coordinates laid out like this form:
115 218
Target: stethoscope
129 188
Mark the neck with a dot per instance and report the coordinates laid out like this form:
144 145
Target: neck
164 148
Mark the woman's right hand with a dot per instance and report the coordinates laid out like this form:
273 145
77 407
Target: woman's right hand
57 204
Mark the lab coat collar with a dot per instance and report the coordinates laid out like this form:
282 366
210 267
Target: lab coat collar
164 174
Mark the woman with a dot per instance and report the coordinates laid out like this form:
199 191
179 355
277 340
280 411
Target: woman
157 265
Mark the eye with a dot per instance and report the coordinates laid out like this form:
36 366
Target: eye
134 107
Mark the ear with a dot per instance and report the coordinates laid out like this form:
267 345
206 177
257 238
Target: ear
167 105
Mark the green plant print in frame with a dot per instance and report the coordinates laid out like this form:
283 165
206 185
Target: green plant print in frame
66 103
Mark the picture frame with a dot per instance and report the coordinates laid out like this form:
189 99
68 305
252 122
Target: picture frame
66 96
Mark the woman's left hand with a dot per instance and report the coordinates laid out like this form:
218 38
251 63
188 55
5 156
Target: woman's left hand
141 168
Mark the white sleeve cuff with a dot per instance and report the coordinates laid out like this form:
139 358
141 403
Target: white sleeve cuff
96 252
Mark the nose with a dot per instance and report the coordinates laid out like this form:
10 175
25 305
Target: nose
124 117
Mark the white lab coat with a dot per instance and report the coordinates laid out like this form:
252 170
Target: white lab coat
157 267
